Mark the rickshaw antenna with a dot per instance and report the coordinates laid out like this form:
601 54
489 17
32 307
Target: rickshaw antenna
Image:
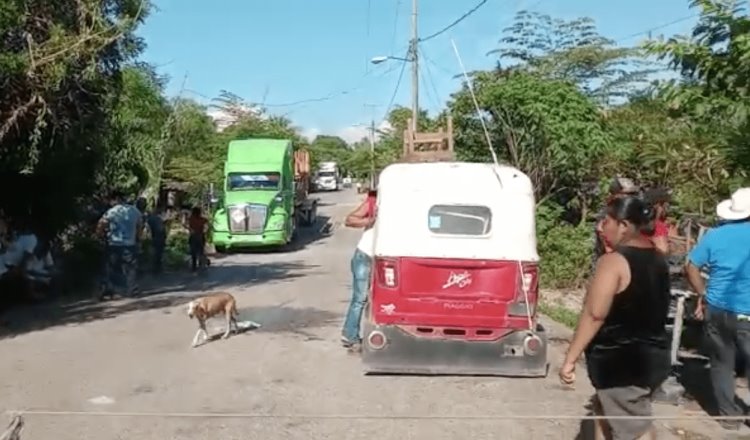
524 285
476 103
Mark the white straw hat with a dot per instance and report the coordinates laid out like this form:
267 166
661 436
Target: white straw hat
736 208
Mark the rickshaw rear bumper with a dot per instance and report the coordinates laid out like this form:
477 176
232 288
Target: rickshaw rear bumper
404 353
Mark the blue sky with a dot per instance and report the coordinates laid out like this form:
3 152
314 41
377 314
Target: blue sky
285 51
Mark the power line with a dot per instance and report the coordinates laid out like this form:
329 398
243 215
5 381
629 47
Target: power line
457 21
431 80
395 91
661 26
439 66
328 97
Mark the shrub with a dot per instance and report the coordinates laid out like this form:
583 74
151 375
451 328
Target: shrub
565 250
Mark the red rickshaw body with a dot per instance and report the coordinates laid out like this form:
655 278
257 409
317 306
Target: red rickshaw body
455 273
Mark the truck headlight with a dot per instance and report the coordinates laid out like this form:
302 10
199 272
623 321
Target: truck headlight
276 224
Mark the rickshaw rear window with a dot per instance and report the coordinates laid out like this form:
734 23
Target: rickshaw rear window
460 220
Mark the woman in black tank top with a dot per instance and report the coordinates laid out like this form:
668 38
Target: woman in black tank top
622 327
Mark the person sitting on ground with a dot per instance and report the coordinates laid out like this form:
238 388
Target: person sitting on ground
14 280
724 301
197 228
659 198
4 239
618 188
362 217
40 269
622 327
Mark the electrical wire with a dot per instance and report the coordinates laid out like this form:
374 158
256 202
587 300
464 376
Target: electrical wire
328 97
430 79
455 22
661 26
395 92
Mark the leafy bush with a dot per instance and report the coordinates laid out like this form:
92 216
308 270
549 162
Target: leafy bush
565 250
175 252
177 249
81 263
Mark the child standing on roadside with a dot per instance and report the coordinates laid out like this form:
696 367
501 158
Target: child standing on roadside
197 227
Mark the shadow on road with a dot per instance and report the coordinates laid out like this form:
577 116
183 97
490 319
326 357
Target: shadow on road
282 319
167 291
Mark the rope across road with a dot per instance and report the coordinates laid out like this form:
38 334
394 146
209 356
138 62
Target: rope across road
448 417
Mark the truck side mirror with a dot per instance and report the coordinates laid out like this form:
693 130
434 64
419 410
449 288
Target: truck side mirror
216 200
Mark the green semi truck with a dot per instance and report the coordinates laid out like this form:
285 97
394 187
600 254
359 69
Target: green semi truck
265 195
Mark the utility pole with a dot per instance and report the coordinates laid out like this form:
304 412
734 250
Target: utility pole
372 154
414 57
371 138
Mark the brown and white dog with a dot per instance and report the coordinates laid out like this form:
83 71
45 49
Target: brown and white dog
209 306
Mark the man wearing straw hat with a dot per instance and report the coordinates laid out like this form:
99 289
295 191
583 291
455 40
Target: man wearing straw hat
724 300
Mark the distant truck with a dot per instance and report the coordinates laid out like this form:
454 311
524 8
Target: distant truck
328 177
265 199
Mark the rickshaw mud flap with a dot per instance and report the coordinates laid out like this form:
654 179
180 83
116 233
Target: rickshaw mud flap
410 355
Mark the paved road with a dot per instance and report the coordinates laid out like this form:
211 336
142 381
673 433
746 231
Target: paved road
136 356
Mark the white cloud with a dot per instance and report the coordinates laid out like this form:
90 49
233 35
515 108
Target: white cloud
310 133
351 134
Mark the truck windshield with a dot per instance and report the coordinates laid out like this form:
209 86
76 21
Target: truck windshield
326 174
249 181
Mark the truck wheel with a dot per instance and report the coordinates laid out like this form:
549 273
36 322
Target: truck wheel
295 230
221 249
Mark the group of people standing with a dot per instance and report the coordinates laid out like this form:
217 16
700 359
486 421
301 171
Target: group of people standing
122 227
622 327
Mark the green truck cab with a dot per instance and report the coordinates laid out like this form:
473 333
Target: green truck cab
264 195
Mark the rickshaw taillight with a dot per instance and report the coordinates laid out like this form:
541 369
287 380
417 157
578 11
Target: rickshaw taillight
527 289
387 272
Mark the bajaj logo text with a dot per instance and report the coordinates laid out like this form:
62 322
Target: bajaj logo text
458 279
458 306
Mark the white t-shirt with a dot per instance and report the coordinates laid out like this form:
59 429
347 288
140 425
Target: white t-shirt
367 242
17 249
41 265
22 245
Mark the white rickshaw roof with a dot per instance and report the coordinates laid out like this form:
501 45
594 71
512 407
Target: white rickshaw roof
413 199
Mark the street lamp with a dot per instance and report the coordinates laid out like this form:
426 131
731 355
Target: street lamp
383 58
413 58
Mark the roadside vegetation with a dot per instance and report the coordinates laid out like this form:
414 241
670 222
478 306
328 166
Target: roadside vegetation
82 115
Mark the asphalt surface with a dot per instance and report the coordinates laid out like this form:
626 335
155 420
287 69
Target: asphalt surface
291 377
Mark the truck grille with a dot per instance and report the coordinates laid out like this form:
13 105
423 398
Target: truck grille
249 219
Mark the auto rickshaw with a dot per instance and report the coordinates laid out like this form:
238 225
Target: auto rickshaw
455 273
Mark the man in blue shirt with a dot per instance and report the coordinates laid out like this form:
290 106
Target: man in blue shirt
724 300
121 225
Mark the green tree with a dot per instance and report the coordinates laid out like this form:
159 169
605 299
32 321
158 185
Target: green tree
716 74
330 148
135 158
192 148
573 50
546 128
60 76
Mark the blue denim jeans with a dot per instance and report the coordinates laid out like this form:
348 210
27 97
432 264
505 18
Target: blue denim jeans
121 269
361 267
